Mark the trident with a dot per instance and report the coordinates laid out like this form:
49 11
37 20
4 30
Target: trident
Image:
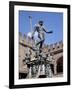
30 18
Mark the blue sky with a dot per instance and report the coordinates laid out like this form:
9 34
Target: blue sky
52 21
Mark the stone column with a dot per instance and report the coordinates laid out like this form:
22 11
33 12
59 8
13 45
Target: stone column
43 69
55 68
38 71
30 72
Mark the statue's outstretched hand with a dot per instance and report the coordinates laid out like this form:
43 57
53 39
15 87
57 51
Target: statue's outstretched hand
50 32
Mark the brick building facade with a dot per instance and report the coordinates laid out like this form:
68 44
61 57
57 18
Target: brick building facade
56 51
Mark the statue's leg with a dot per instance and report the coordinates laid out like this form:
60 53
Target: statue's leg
38 73
40 43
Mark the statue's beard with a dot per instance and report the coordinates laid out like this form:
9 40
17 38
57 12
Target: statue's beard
41 24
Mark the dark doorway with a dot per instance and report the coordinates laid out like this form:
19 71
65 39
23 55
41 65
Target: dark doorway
60 65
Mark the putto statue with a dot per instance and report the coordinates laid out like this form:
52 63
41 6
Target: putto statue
41 33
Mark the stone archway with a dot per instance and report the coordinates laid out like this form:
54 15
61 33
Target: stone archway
60 65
